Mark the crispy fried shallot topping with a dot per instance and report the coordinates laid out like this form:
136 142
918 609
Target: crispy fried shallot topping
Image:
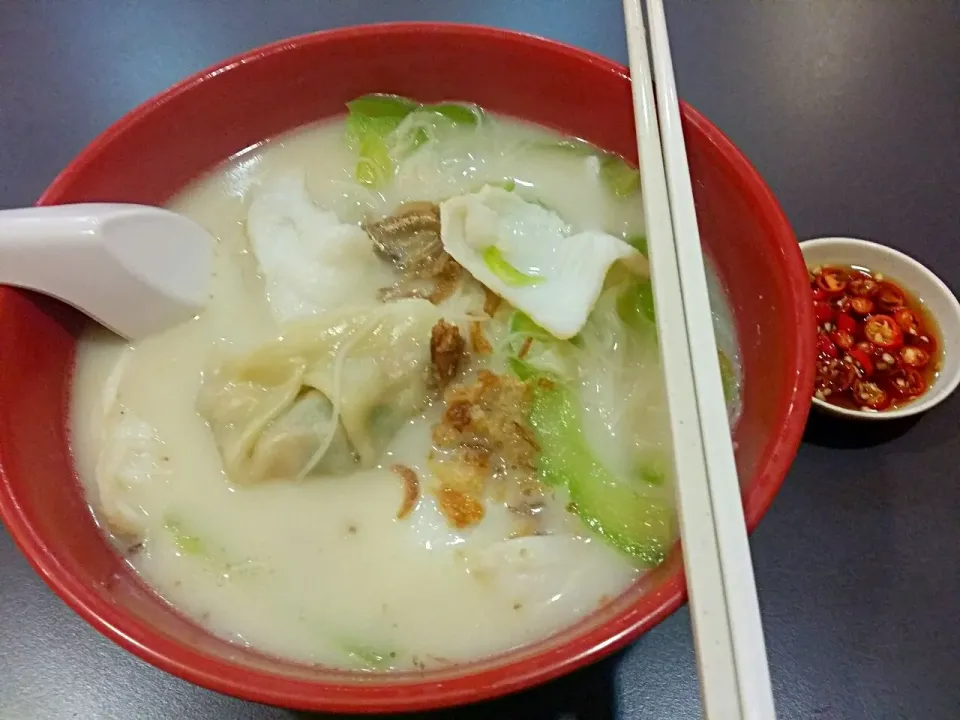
446 352
411 489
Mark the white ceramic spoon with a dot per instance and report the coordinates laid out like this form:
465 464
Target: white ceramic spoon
135 269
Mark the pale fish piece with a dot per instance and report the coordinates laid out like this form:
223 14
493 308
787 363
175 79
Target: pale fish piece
526 254
309 260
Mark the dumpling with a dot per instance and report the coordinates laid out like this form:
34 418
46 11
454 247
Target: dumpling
326 397
526 254
131 458
309 260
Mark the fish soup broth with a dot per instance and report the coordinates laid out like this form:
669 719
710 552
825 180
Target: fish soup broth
292 468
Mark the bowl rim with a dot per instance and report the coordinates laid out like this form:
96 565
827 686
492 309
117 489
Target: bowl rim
267 687
929 400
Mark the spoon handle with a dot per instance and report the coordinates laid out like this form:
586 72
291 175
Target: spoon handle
44 249
136 269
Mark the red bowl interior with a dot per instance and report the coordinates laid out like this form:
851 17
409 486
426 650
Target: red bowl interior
152 152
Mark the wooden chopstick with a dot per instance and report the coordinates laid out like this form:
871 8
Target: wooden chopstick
731 657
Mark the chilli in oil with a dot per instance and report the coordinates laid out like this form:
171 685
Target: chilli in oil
877 346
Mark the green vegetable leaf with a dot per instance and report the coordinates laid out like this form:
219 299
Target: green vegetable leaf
637 524
374 165
420 137
367 136
728 377
373 119
546 353
574 146
523 370
459 114
506 272
507 184
624 513
541 203
213 558
653 468
555 422
652 476
635 305
522 324
186 544
360 127
380 105
615 173
639 242
619 177
366 657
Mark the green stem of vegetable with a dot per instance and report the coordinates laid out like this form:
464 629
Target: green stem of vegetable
626 513
191 545
493 258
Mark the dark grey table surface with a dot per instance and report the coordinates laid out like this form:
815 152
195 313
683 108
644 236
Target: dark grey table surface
851 111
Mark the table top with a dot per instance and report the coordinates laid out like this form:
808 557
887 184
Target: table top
850 109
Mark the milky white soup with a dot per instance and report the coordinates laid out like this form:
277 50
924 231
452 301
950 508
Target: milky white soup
289 469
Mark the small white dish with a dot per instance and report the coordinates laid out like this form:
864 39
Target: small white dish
938 299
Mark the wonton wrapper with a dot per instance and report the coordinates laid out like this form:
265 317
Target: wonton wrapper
128 462
326 397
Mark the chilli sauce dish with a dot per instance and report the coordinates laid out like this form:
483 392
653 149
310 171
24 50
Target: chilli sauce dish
887 330
413 453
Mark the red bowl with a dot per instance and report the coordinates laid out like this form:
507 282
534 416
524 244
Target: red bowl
155 150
